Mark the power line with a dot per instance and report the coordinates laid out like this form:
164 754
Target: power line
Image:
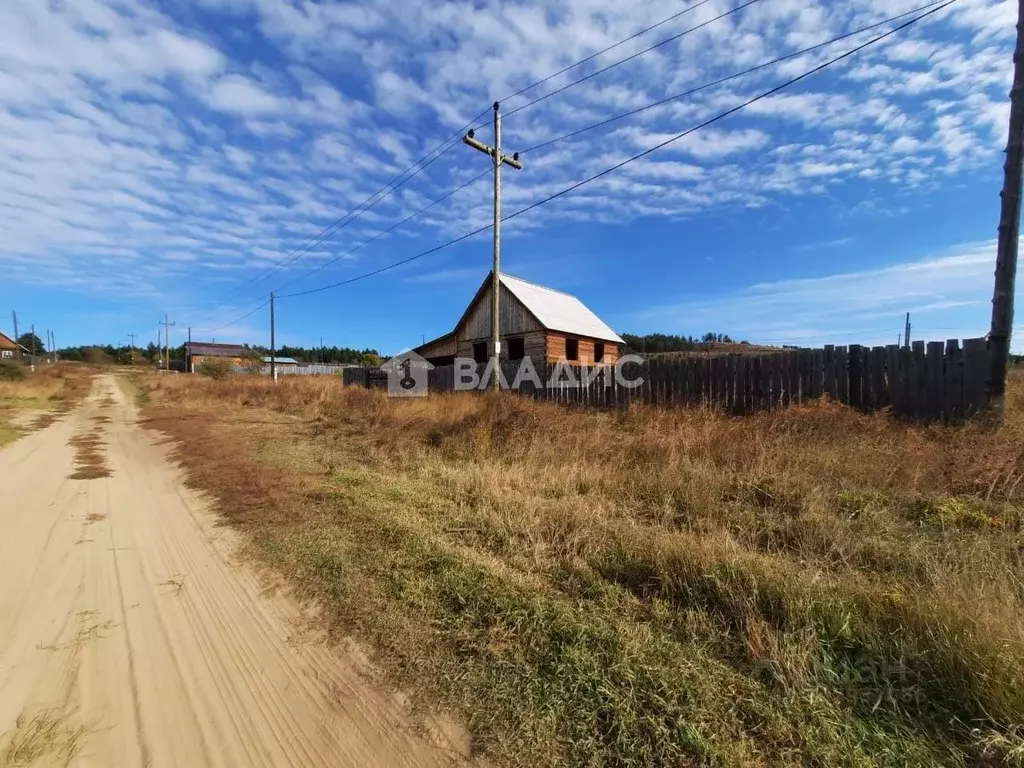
732 111
446 146
332 229
246 316
381 234
601 71
721 80
612 47
638 156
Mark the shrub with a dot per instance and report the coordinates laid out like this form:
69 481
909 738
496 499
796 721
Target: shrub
214 369
11 371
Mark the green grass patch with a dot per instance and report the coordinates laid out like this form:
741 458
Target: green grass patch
601 665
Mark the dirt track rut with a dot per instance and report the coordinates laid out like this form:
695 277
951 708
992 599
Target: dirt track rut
130 637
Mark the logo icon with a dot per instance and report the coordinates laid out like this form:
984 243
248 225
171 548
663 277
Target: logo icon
408 374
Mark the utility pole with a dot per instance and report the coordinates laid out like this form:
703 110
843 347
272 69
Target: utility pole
17 344
188 356
33 365
131 349
906 333
273 359
53 346
498 158
1009 232
167 344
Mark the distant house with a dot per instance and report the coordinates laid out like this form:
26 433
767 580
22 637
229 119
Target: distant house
536 322
281 360
9 348
197 352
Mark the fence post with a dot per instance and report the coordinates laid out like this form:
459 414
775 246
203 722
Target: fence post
893 375
954 383
936 378
919 392
975 374
856 375
881 394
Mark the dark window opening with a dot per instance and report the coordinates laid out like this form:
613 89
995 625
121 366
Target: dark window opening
480 352
598 351
572 349
516 349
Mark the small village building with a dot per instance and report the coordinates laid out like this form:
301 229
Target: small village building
541 323
196 353
285 361
9 348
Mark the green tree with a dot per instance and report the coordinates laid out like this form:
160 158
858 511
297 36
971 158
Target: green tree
28 339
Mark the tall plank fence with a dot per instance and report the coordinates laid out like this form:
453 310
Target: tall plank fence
937 381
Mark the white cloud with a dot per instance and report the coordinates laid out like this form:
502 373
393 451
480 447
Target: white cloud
846 307
124 126
242 95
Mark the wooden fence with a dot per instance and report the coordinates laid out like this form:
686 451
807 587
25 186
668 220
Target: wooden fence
938 381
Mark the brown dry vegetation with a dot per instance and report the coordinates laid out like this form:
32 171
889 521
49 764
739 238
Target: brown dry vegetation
54 389
654 587
90 461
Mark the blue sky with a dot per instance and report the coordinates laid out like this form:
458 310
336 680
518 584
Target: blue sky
158 157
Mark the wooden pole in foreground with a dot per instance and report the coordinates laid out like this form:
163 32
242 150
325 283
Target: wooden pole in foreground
1009 232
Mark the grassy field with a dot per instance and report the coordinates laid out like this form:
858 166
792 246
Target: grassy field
653 587
41 396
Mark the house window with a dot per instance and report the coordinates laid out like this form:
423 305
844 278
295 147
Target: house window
598 351
572 349
516 349
480 352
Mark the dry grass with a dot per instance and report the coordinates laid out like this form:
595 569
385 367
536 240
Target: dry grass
656 587
90 462
54 389
46 739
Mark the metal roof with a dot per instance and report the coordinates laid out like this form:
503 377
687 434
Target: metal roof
282 360
558 311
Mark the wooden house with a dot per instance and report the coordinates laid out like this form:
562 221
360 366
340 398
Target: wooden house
9 348
197 352
536 322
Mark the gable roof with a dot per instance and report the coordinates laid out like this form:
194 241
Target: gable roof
6 342
558 311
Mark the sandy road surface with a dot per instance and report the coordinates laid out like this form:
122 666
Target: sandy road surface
129 637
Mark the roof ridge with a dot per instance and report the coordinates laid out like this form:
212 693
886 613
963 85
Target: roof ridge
538 285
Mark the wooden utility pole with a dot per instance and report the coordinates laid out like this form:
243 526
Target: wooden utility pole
33 358
1009 232
498 158
167 344
906 333
188 353
17 344
273 357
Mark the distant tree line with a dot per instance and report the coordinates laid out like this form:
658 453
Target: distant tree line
329 355
654 343
151 353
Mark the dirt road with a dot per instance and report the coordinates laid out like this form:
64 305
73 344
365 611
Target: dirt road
130 636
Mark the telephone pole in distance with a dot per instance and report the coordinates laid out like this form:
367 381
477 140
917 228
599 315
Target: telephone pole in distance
498 158
167 344
17 344
273 357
